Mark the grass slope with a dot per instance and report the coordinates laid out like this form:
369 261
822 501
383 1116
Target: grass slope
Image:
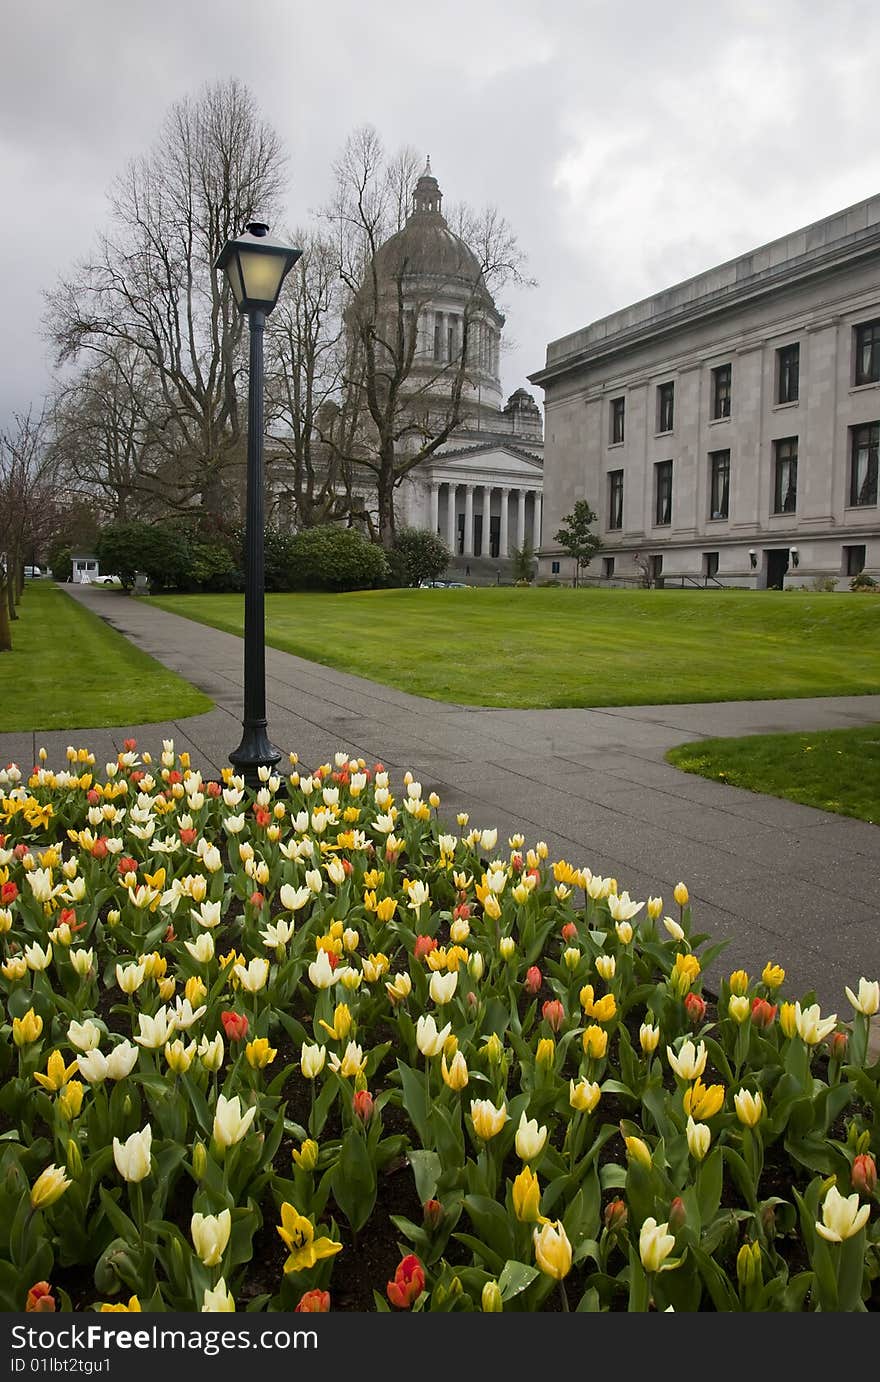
837 770
68 670
546 647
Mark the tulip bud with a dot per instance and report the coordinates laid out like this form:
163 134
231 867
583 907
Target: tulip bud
768 1220
545 1055
695 1008
571 957
681 895
432 1214
506 947
553 1014
788 1019
763 1013
638 1150
199 1160
363 1105
616 1215
677 1215
837 1044
739 982
864 1175
490 1300
74 1158
738 1008
748 1265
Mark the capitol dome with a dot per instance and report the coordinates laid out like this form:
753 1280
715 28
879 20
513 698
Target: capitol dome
427 249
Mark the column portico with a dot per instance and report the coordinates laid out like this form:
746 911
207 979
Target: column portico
435 505
486 545
520 518
468 520
504 545
536 521
450 516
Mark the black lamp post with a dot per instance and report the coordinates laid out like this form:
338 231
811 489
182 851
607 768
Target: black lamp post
256 264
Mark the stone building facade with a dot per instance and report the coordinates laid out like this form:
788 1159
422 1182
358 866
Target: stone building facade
726 430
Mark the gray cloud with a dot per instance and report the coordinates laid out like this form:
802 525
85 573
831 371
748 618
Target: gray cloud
629 145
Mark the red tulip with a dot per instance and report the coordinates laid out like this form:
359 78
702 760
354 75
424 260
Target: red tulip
363 1105
569 931
8 892
129 745
677 1214
188 837
837 1044
864 1174
40 1299
432 1214
99 848
408 1283
554 1014
313 1303
213 789
424 945
533 979
763 1012
235 1025
616 1215
695 1007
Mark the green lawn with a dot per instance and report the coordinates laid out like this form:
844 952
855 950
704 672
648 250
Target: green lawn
539 647
68 670
837 770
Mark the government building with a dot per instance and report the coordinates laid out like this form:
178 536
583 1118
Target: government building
726 430
481 489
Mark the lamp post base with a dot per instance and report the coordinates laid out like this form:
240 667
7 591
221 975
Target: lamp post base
255 751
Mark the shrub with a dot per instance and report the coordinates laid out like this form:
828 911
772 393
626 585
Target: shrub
422 555
331 558
61 562
824 584
863 582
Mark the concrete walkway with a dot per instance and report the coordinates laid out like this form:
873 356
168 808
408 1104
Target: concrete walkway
779 881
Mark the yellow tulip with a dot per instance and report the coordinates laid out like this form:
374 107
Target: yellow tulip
57 1073
749 1107
739 982
552 1250
703 1101
526 1191
681 894
456 1074
298 1233
259 1054
70 1099
49 1186
133 1308
27 1029
487 1119
638 1150
773 975
584 1095
595 1042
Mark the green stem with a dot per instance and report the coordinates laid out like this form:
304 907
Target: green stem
562 1293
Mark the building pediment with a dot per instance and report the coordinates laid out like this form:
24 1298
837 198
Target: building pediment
487 462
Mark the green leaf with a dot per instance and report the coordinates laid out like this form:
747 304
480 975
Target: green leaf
354 1180
515 1277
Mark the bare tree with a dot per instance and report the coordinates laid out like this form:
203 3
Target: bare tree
150 293
27 507
305 361
400 404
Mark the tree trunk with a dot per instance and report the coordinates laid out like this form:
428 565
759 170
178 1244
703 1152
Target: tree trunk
385 494
5 630
9 598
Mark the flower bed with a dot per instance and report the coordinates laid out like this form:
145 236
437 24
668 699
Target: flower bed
306 1048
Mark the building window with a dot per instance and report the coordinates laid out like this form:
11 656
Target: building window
615 499
719 484
788 373
607 567
785 475
665 407
721 391
868 353
663 493
854 560
617 411
554 568
710 564
438 335
863 465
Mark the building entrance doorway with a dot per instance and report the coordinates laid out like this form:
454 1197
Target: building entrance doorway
777 567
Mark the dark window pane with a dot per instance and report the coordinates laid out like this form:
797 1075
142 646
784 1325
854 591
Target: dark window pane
785 475
868 353
721 391
863 464
617 416
789 371
719 495
615 499
663 492
665 407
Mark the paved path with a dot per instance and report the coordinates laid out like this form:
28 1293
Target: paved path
779 881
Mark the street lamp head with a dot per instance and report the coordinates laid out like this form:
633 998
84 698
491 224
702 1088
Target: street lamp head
753 557
795 556
256 264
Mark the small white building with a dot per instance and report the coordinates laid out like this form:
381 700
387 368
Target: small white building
85 567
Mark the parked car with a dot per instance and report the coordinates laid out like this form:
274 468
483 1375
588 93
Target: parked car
32 573
105 580
443 585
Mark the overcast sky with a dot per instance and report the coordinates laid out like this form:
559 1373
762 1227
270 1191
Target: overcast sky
630 145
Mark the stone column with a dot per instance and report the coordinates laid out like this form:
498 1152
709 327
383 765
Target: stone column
451 530
520 518
504 546
536 521
435 505
486 546
468 520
